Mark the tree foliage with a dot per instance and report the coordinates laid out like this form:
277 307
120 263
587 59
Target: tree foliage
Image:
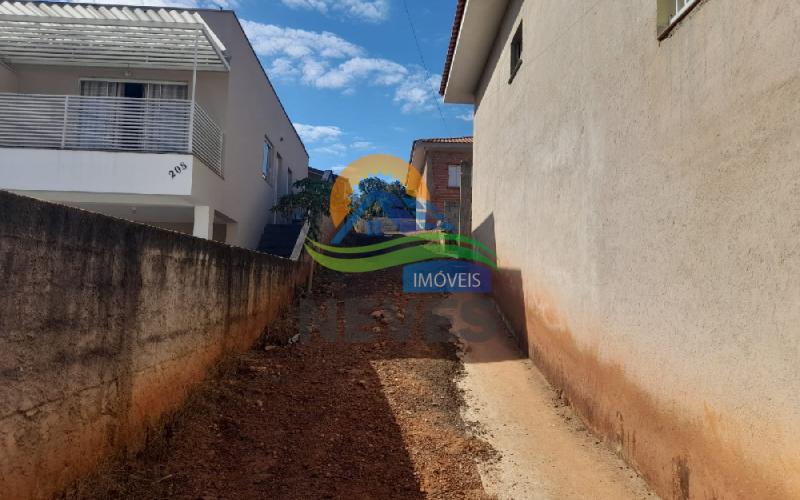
372 185
312 198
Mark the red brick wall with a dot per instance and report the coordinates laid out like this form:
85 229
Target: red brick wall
438 161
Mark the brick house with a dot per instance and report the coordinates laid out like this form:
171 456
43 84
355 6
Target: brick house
439 162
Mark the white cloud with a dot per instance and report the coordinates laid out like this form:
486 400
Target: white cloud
361 145
317 133
225 4
290 43
337 149
358 69
418 92
467 116
320 59
324 60
373 11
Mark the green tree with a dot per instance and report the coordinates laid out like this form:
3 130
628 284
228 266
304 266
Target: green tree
312 198
374 184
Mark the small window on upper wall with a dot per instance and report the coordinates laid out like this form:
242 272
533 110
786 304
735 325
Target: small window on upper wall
516 53
266 161
670 12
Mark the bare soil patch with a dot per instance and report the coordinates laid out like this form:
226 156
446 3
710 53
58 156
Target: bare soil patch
352 395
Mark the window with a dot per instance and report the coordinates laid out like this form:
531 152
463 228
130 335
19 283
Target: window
127 125
454 176
278 171
670 12
516 53
134 89
266 161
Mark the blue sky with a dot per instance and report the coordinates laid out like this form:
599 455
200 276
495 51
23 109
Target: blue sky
349 72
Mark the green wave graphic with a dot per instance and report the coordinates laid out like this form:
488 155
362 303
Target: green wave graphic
397 258
427 237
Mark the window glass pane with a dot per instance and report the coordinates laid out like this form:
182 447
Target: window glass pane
454 176
265 162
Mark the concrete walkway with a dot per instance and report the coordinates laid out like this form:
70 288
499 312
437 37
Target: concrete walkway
546 453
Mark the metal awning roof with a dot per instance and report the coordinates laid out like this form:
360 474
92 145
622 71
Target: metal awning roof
107 35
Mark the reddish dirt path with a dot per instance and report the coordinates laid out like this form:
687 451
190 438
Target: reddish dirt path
352 410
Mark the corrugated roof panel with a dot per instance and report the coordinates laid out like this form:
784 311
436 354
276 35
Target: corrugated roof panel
160 33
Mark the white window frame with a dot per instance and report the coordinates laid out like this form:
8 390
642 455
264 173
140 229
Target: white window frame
671 13
680 10
450 170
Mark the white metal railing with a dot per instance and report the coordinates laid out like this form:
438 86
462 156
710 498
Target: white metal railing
110 124
207 140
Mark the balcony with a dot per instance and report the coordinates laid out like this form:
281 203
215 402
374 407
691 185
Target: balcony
110 124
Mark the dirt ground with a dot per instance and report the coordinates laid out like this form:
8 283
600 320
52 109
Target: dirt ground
545 452
353 395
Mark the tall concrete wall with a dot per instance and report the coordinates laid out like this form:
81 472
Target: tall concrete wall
644 201
105 326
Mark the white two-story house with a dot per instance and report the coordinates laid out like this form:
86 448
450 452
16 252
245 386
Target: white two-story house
159 115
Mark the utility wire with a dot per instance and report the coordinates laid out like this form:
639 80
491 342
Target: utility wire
424 65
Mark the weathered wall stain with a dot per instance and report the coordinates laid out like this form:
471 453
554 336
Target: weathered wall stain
105 326
646 193
681 459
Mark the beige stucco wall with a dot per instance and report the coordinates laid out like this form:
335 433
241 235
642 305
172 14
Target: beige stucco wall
644 202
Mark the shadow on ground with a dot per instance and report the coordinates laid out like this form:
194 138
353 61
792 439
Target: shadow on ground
351 396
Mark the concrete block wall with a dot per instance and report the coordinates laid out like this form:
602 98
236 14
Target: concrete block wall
105 327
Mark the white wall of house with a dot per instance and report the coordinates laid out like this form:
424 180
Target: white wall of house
254 111
242 102
23 169
643 198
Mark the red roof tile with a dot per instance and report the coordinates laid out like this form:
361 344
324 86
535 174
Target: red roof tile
453 40
447 140
439 140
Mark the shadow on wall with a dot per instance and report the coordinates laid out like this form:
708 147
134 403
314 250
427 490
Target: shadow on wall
681 459
507 289
105 326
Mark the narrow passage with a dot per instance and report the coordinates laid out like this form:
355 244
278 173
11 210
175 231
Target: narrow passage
362 392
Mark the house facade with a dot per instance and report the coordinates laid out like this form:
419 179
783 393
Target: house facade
163 116
439 162
636 170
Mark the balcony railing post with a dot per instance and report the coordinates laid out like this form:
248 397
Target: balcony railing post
64 124
194 92
191 127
